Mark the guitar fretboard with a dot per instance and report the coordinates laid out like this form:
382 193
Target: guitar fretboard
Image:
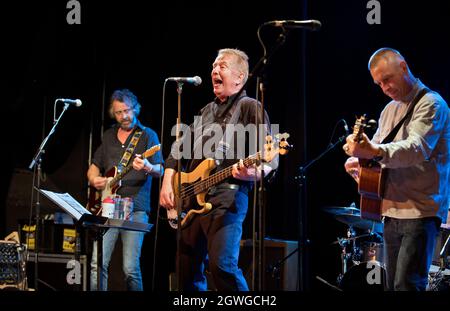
203 185
145 155
120 175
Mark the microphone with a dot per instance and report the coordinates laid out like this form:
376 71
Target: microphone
347 132
371 124
194 80
311 24
74 102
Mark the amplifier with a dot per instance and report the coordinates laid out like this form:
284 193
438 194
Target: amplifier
58 272
280 267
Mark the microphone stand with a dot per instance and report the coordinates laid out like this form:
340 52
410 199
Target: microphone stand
301 180
37 159
274 269
179 201
261 192
258 237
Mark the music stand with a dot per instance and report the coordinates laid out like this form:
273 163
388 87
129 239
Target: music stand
98 224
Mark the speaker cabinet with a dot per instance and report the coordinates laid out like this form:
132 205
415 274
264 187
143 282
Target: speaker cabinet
280 264
55 272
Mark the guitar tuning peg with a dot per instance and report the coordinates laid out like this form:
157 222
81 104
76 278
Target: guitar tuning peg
283 136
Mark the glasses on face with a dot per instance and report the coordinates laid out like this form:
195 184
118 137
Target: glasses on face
125 111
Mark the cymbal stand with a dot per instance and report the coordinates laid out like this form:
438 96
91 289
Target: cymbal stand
345 255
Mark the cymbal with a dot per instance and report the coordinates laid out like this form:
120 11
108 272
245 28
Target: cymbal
355 220
434 269
341 210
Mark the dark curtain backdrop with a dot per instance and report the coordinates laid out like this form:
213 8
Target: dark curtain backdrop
137 44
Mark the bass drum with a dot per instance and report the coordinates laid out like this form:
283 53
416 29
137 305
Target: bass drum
367 276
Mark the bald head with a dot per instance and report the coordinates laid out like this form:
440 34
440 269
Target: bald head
390 56
390 71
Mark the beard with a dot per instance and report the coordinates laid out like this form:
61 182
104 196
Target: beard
126 124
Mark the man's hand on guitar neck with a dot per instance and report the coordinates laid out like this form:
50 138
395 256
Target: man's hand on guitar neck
139 164
363 149
240 171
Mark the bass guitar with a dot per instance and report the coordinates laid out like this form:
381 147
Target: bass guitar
199 181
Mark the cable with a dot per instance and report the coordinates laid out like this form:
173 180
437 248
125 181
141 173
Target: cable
159 186
330 142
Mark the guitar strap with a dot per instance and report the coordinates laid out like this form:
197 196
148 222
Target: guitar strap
390 137
226 145
129 151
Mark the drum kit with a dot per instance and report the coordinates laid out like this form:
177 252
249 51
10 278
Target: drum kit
362 265
439 273
362 256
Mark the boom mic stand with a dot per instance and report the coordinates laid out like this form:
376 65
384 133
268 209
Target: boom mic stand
258 237
37 159
258 70
301 179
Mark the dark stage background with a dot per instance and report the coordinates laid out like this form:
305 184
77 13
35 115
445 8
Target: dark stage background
312 81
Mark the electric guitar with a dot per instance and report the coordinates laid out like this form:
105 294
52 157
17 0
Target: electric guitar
96 197
198 182
371 179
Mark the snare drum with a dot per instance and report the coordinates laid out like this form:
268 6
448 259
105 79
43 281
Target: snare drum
373 251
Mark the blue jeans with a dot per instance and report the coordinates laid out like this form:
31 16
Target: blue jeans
214 237
131 246
409 246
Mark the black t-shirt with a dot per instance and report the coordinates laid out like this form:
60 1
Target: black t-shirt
221 113
135 184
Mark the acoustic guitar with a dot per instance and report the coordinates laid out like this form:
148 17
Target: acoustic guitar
371 179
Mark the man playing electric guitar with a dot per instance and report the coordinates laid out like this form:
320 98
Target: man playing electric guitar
112 180
122 147
217 233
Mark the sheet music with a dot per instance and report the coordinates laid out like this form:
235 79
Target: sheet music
76 210
67 203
